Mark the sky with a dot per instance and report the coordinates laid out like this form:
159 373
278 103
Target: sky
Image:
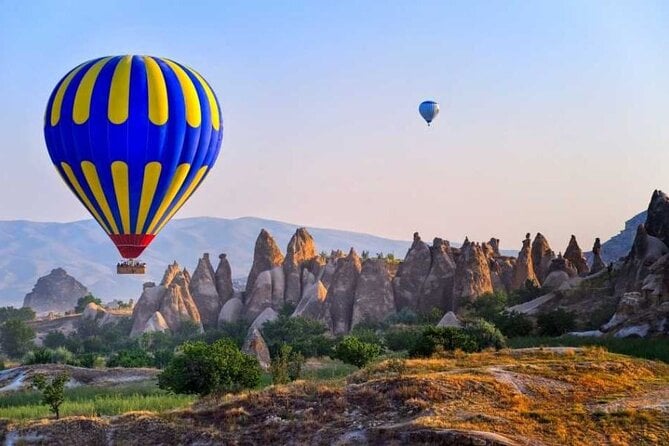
554 115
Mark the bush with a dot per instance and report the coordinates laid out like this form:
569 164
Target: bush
48 356
90 360
367 335
513 324
83 301
405 316
352 350
305 336
402 338
233 330
488 306
286 365
527 293
556 322
54 339
130 358
485 335
11 313
16 337
162 357
202 369
53 392
446 338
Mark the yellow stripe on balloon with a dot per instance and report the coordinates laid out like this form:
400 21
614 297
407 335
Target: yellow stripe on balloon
149 184
58 98
189 191
119 171
211 98
177 182
82 100
74 184
91 175
158 104
192 101
119 92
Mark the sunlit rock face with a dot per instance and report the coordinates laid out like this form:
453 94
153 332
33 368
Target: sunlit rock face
574 254
202 288
472 274
542 256
341 294
374 300
301 249
524 268
411 274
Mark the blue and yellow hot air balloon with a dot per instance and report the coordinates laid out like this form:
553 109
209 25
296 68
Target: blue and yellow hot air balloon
133 137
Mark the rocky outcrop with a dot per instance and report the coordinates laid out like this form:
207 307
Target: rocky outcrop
472 274
313 302
231 311
554 280
255 345
202 288
330 266
374 300
156 323
524 269
93 311
266 256
646 250
574 254
436 291
450 320
301 249
561 264
597 262
638 315
267 315
542 256
411 274
56 292
501 273
172 299
223 277
341 293
657 221
260 296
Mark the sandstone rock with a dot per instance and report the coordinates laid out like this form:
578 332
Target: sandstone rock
278 287
223 277
156 323
266 256
646 250
555 279
494 244
542 255
301 249
330 267
313 302
657 221
450 320
267 315
260 296
170 272
374 300
597 262
501 273
56 292
524 269
574 254
411 274
561 264
472 274
202 288
629 305
436 291
93 311
255 346
231 311
341 293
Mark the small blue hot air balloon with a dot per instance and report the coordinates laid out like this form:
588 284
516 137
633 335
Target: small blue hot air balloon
133 137
428 110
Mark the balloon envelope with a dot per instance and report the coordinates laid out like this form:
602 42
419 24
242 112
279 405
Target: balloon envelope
133 137
428 110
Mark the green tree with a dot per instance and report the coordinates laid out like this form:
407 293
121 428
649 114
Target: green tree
54 339
53 391
130 358
16 337
83 301
556 322
445 338
201 369
304 335
485 335
22 314
488 305
513 324
286 365
352 350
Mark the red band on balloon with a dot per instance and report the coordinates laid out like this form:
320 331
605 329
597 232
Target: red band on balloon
131 245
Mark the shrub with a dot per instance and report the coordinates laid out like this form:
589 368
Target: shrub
485 335
556 322
527 293
402 338
352 350
405 316
447 338
90 360
286 365
488 306
162 357
16 337
53 392
83 301
233 330
201 369
367 335
130 358
54 339
513 324
37 356
11 313
304 335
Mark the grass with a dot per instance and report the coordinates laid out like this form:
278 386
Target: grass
656 349
91 401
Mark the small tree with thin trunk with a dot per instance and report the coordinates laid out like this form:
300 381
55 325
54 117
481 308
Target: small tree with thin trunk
53 392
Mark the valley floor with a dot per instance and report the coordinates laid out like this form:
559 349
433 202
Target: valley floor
565 396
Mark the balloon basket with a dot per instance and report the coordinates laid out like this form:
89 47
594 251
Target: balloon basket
131 267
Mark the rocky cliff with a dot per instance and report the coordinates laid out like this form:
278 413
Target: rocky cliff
56 292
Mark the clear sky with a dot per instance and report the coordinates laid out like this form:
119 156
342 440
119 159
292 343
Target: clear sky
554 114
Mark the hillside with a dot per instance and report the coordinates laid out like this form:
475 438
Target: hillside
513 397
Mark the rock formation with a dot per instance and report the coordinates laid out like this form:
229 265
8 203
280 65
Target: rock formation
313 302
156 323
267 315
542 255
574 254
202 288
450 320
301 249
255 345
223 277
657 221
597 262
341 293
266 256
501 273
472 274
56 292
231 311
561 264
260 296
411 274
437 288
524 269
374 300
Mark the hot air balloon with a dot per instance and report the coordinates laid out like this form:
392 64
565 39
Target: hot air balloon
133 137
428 110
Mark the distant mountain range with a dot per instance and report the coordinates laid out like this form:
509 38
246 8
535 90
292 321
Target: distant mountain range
29 250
